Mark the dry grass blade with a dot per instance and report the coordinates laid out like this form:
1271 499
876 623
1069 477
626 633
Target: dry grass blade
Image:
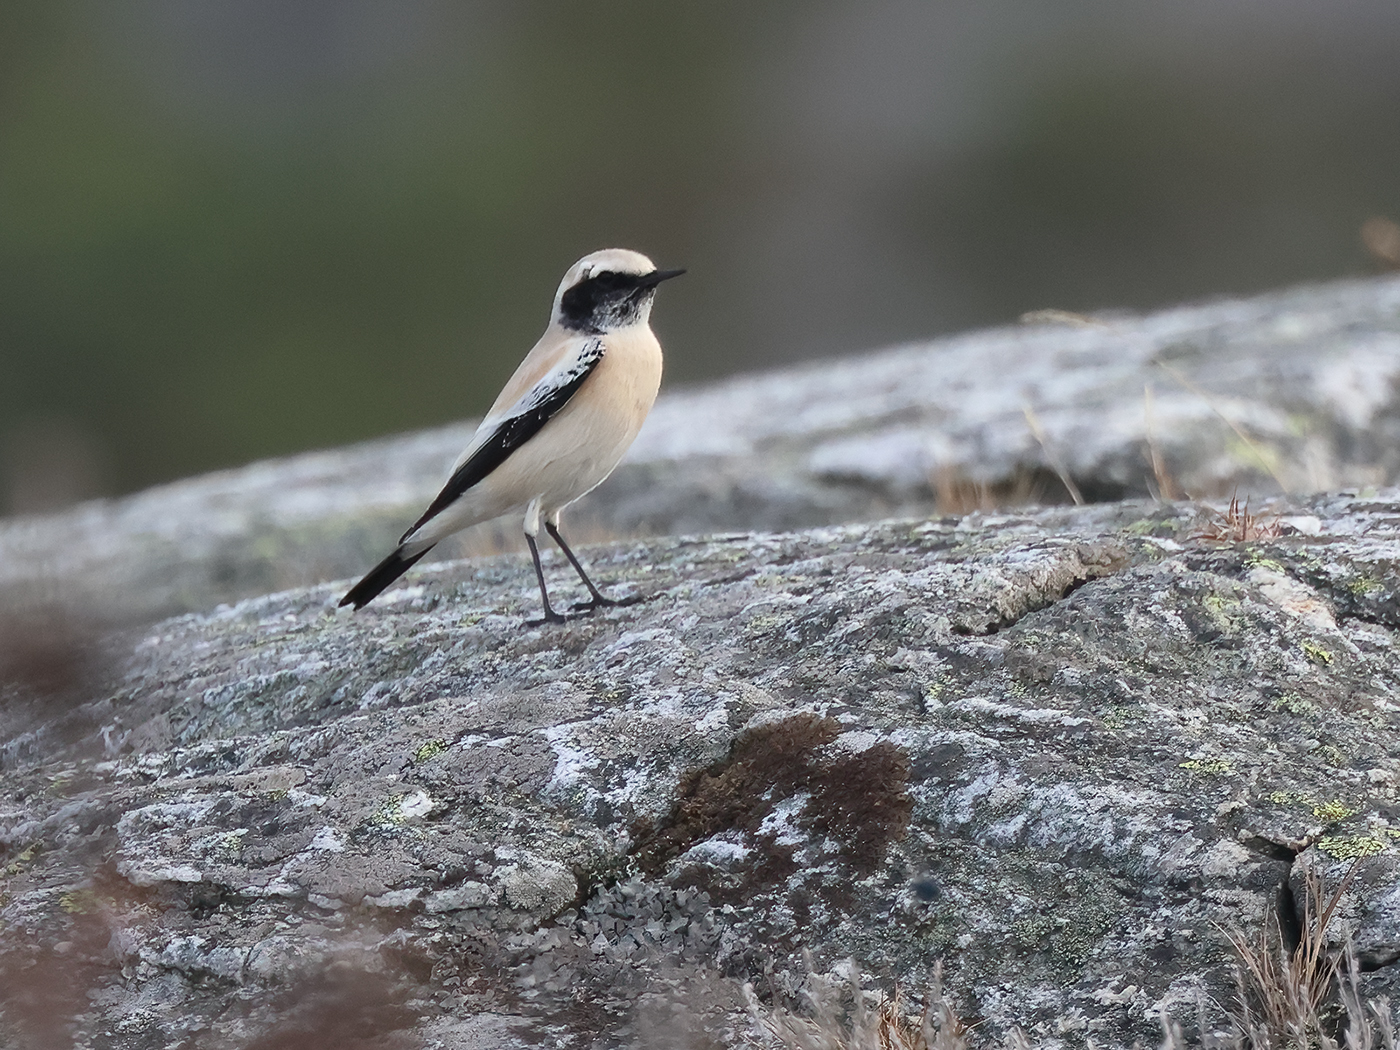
957 494
1166 485
1236 525
1052 457
1248 442
1065 317
1068 317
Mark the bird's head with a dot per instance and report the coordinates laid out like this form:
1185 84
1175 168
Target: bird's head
608 290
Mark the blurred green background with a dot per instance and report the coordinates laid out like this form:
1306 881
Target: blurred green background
238 228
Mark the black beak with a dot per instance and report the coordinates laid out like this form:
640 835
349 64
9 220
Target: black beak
651 280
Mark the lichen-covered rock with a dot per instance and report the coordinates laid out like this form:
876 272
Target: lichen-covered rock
1294 389
1062 751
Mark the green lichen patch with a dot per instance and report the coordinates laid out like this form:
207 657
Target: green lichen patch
1317 654
79 902
1333 756
22 860
1161 528
1258 560
934 690
1293 799
428 751
1352 847
1361 586
1334 811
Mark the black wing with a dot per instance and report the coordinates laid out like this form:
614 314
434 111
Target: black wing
532 412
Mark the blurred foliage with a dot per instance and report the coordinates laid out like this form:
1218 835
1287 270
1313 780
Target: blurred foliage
1116 185
207 281
237 229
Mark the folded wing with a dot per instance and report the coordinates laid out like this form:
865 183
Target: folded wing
503 432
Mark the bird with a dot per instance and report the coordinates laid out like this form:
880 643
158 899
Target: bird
560 425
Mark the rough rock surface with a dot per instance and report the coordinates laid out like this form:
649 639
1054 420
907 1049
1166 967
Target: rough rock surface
1294 389
1058 750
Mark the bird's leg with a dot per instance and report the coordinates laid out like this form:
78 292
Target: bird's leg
598 598
550 616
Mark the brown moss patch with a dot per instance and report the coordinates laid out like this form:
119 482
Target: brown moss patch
859 800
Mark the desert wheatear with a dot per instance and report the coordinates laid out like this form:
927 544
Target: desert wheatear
561 424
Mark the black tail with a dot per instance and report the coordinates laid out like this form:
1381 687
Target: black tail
379 577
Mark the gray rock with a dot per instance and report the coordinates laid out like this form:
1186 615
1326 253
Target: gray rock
1294 389
1061 750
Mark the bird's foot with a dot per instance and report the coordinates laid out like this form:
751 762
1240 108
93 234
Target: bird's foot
550 616
584 608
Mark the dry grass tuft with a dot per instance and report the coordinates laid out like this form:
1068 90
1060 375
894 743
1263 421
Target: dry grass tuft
957 494
1236 525
1052 455
1285 997
46 651
1381 238
1370 1025
1280 992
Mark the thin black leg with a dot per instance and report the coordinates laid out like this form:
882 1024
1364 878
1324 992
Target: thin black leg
550 616
598 598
